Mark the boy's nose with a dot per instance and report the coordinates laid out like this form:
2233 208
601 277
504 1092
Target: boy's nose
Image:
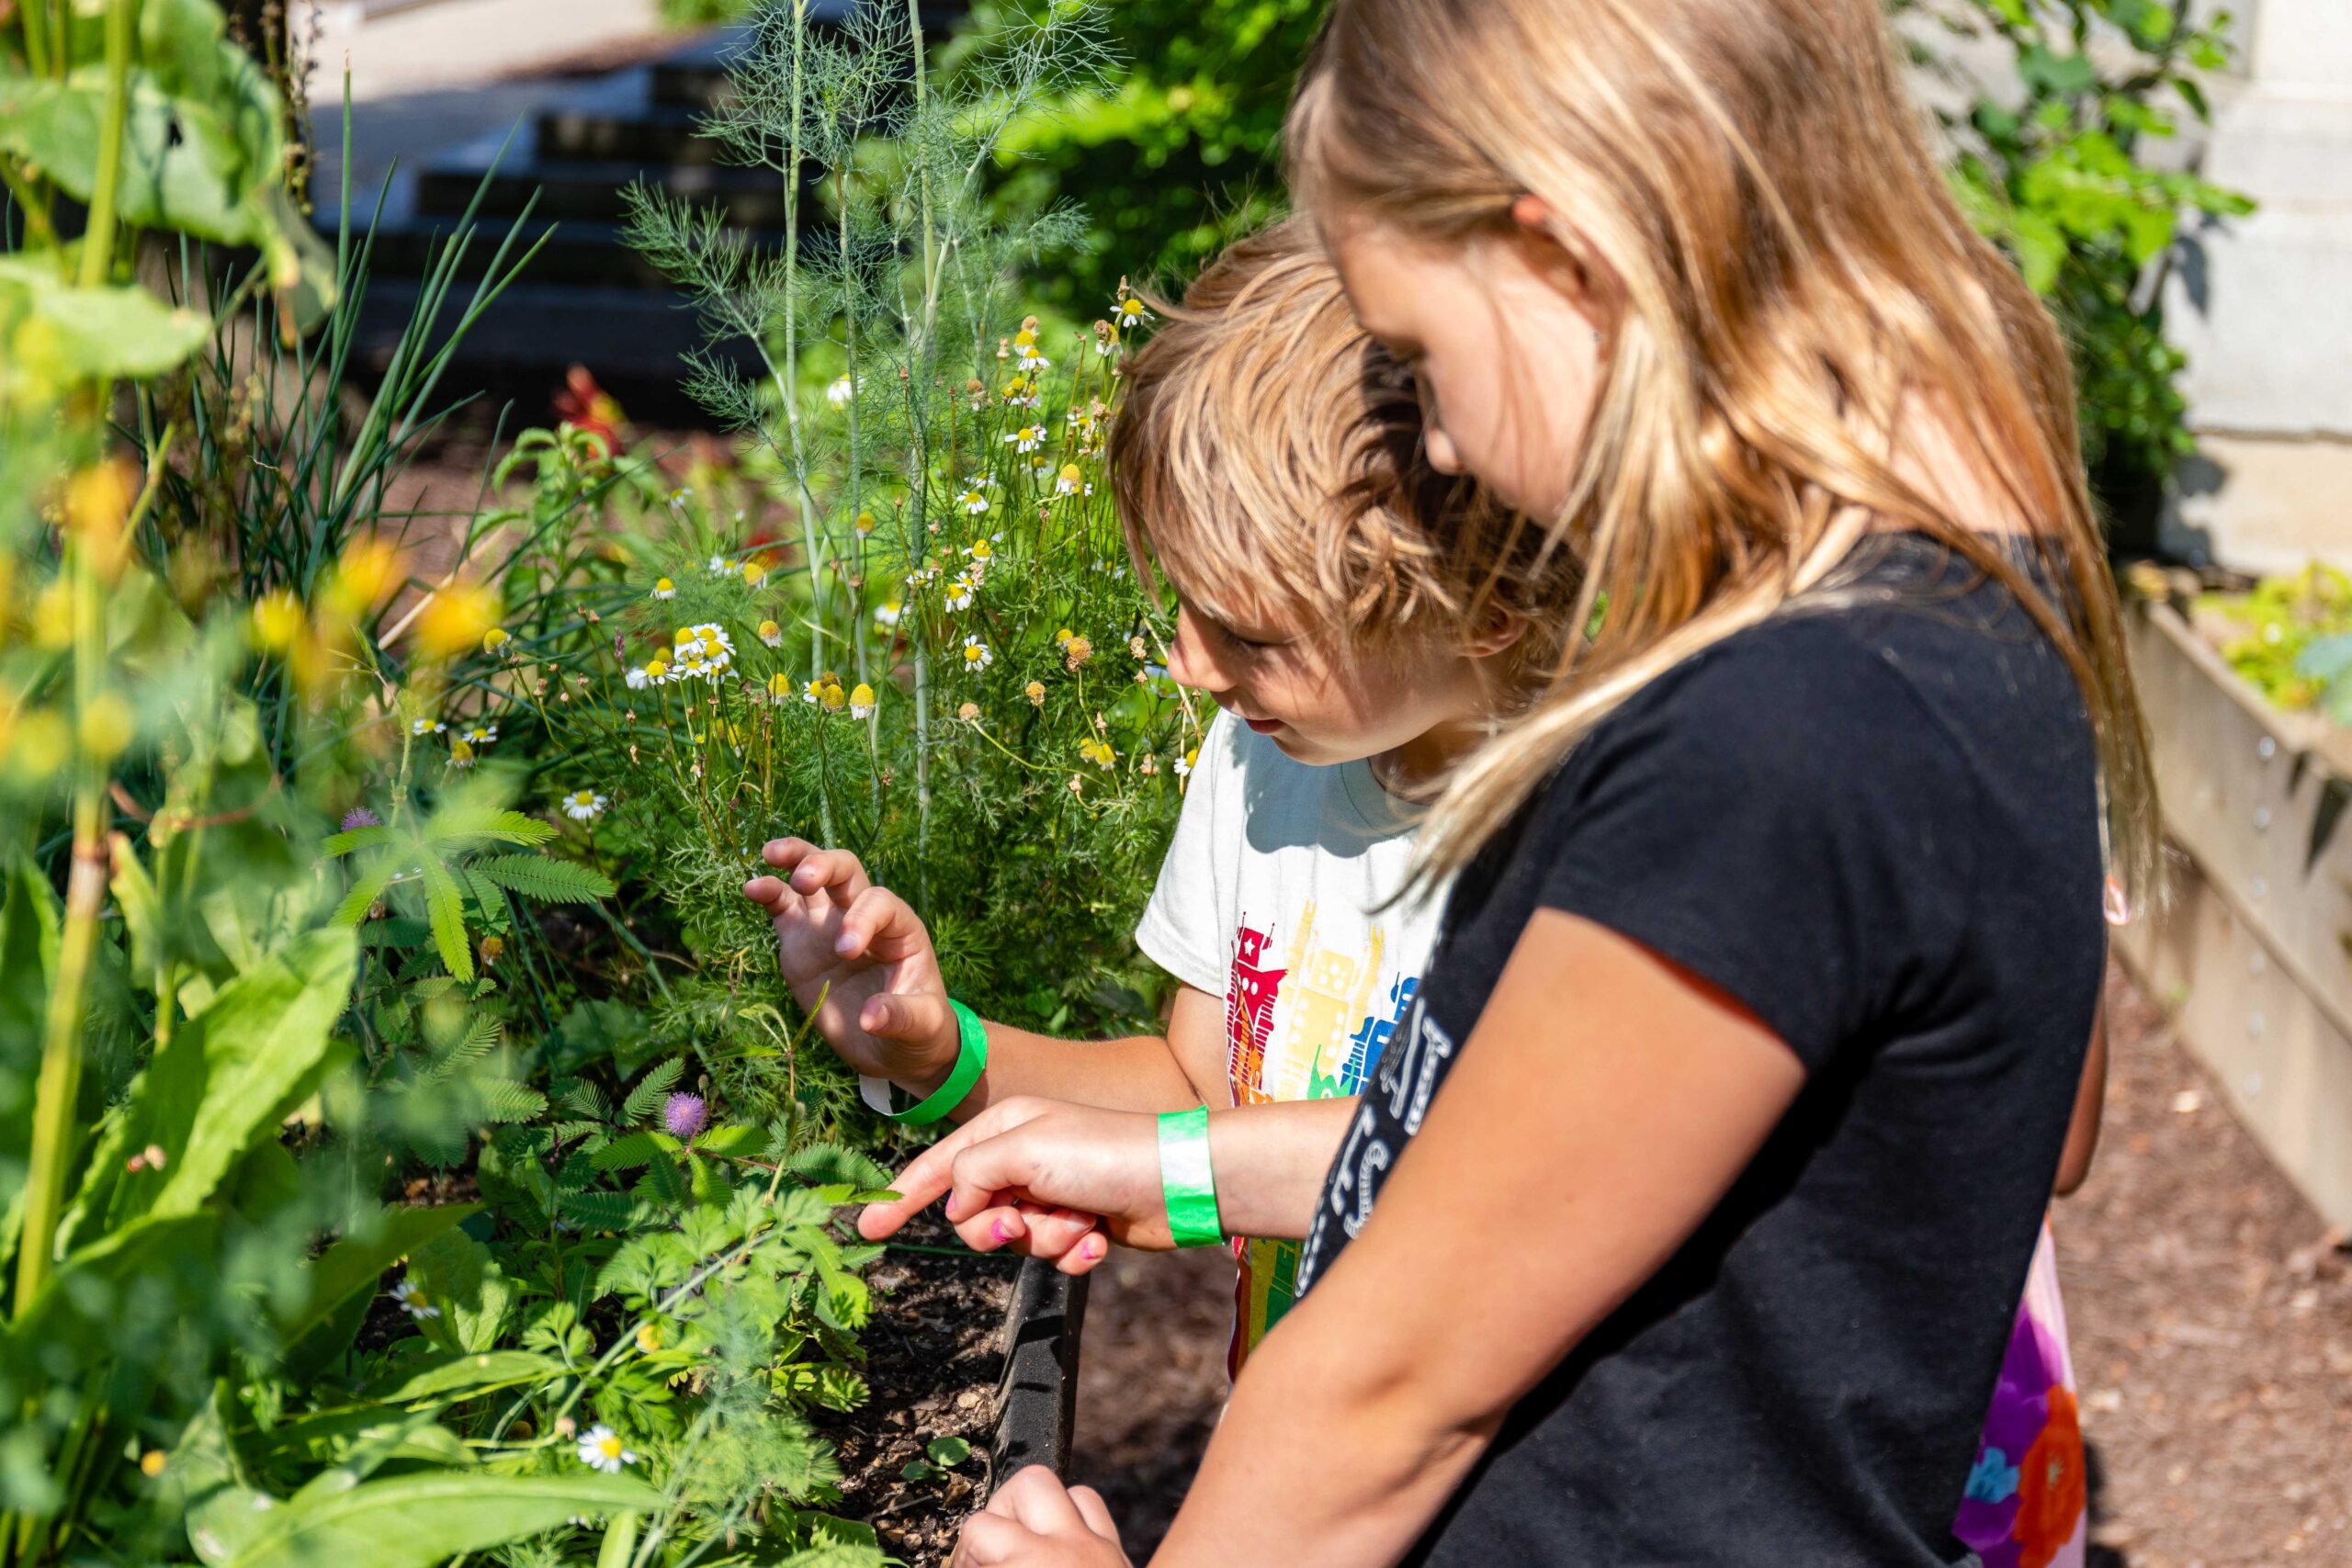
1190 662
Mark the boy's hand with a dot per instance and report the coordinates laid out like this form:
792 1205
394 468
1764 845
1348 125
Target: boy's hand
1043 1177
867 955
1033 1521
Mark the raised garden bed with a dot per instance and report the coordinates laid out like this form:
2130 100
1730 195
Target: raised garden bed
964 1348
2253 952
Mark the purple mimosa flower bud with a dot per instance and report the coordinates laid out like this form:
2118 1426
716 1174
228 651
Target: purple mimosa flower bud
685 1115
360 817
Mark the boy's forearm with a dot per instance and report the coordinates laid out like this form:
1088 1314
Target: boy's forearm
1138 1073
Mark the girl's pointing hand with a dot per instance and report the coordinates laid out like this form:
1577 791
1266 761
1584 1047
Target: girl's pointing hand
1033 1521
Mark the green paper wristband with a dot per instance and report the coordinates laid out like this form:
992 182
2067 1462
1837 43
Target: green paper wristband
1186 1184
971 1061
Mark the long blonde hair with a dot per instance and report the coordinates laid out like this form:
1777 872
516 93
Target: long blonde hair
1795 277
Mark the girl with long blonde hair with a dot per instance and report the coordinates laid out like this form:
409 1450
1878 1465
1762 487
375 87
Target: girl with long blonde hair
1686 1219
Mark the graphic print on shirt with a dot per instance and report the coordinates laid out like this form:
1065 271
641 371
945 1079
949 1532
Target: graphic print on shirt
1314 1028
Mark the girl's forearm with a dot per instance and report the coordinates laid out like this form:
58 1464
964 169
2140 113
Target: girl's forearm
1269 1162
1356 1501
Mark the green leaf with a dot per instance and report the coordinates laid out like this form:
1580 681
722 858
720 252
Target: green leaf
55 335
460 1375
415 1521
352 838
550 881
455 825
366 888
457 1275
948 1453
359 1260
237 1068
443 904
636 1149
658 1081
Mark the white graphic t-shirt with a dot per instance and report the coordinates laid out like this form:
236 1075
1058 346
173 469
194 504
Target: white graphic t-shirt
1270 897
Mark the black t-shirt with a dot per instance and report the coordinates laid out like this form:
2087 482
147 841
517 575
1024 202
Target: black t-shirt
1872 820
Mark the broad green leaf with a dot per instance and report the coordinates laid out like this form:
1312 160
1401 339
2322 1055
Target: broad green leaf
457 824
357 1261
459 1277
462 1375
28 936
415 1521
236 1069
352 838
55 335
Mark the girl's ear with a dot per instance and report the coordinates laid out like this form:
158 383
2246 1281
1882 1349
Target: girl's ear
1555 250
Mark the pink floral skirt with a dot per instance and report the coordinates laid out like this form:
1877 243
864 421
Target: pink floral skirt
2024 1506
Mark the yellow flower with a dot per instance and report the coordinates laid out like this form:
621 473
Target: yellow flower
98 504
368 571
754 573
106 727
1077 651
771 634
496 639
151 1463
54 616
779 686
648 1338
456 619
1098 752
462 754
1064 635
861 701
864 524
655 668
665 588
1036 690
278 620
39 745
834 699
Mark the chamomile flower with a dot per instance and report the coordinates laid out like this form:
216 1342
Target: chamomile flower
1027 438
461 755
977 656
1072 480
887 615
478 735
973 501
861 701
424 726
413 1301
1025 348
704 649
585 805
833 699
753 574
638 677
1132 311
779 686
1107 341
771 634
496 639
840 391
1185 763
719 566
600 1449
1098 752
982 551
864 524
813 692
959 592
665 588
1035 691
969 713
1020 392
656 672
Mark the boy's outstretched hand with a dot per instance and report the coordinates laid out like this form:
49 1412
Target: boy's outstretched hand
865 951
1033 1521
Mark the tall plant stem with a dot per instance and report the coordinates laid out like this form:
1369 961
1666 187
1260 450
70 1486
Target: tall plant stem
920 357
34 14
98 240
60 1083
788 387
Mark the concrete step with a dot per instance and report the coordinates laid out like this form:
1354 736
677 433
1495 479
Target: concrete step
633 338
617 118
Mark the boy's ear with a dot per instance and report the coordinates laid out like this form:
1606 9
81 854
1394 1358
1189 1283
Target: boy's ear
1498 631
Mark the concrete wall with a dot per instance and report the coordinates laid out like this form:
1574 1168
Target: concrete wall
2264 304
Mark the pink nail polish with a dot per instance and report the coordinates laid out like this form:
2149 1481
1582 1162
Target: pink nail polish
1001 1230
1095 1247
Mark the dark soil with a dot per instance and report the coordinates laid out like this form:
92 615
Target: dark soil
2210 1311
934 1355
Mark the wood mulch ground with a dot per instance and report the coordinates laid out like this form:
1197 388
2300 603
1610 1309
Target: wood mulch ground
2211 1310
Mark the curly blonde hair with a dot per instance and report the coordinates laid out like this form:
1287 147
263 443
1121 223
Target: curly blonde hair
1268 459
